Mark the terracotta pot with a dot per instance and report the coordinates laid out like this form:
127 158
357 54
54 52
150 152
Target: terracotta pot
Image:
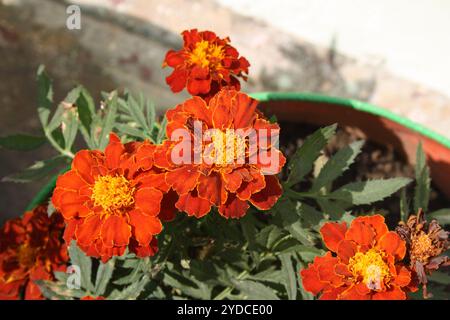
378 124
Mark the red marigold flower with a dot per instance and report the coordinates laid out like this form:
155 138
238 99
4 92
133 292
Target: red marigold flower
205 64
363 263
113 200
31 248
212 174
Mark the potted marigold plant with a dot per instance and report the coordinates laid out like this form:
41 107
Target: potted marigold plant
216 200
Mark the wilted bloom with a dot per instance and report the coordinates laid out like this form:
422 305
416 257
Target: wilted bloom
205 64
31 248
113 200
426 242
363 263
222 153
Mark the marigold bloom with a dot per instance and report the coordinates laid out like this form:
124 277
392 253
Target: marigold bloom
93 298
31 248
426 243
113 200
205 64
218 178
363 263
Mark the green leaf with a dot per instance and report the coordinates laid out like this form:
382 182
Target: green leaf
21 142
86 108
70 128
162 131
289 273
131 292
422 190
337 165
137 113
254 290
302 161
366 192
80 259
442 216
404 206
104 274
39 170
109 121
58 290
440 277
45 95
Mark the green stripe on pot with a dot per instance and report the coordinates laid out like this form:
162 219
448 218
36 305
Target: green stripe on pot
46 191
354 104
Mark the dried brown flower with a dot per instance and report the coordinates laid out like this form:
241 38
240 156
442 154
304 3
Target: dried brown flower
425 244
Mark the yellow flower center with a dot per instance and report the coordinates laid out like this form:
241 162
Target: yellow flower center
112 193
227 147
371 267
26 255
422 247
207 54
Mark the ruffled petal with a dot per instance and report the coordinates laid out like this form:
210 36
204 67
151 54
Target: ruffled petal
193 205
148 200
267 197
392 244
332 234
233 207
144 226
183 179
115 232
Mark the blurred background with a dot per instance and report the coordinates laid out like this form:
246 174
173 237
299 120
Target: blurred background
394 54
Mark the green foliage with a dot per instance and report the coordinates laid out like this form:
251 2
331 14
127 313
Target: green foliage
422 190
21 142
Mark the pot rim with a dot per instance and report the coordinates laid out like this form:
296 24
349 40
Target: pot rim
354 104
267 96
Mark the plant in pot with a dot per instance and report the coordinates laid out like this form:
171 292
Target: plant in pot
218 201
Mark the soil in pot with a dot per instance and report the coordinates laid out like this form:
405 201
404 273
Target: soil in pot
374 162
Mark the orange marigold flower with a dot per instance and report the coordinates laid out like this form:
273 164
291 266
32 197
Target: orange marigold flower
212 174
205 64
363 263
31 248
113 200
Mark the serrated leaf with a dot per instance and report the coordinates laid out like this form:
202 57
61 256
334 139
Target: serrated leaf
337 165
302 161
254 290
131 292
109 121
366 192
268 236
58 290
422 190
21 142
289 274
86 108
137 113
162 131
404 206
39 170
104 274
442 216
80 259
45 95
70 128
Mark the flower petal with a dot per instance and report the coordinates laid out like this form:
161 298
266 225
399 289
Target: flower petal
89 230
332 234
144 227
148 200
233 207
360 232
394 293
183 179
392 244
267 197
193 205
212 187
115 232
